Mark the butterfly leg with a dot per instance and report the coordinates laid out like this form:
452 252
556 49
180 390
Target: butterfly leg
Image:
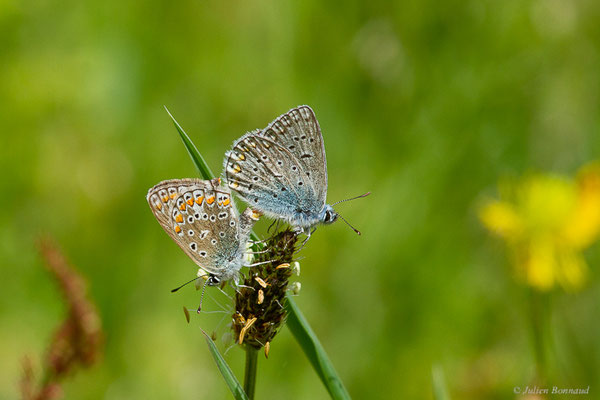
258 263
273 223
308 232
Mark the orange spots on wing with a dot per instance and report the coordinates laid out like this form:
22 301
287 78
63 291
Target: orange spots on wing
226 201
165 199
173 195
190 202
200 199
177 229
210 199
158 206
179 218
182 207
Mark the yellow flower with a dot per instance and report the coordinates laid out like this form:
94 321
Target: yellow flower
546 221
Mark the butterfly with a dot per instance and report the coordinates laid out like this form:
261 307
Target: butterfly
281 170
199 215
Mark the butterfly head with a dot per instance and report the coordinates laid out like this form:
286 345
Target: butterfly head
328 215
213 280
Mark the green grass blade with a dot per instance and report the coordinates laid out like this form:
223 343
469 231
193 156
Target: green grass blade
314 351
440 392
197 158
230 379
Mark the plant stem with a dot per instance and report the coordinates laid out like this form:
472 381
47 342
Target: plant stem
250 373
538 321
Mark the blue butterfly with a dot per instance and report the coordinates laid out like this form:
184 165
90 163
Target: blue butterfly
282 172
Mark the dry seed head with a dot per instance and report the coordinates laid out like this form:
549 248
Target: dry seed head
262 295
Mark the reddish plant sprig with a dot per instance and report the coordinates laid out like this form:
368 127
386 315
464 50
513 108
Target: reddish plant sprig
77 341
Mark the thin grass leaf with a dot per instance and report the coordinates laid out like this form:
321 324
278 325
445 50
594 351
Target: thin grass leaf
314 351
226 372
197 158
440 391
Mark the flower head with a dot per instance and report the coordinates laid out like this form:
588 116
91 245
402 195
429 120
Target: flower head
259 303
546 221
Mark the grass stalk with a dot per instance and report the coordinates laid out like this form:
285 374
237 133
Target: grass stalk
250 372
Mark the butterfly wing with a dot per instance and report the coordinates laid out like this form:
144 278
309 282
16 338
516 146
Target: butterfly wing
299 132
281 170
201 218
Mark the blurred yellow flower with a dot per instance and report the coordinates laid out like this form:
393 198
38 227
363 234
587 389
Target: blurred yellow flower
546 221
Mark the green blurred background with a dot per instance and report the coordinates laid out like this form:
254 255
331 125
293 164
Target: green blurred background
425 103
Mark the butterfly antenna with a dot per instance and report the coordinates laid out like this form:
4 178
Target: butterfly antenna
348 223
353 198
202 296
177 288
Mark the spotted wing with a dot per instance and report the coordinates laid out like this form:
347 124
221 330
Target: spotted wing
200 217
269 178
281 169
299 132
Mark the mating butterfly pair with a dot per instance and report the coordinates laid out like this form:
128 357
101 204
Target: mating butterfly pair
279 171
